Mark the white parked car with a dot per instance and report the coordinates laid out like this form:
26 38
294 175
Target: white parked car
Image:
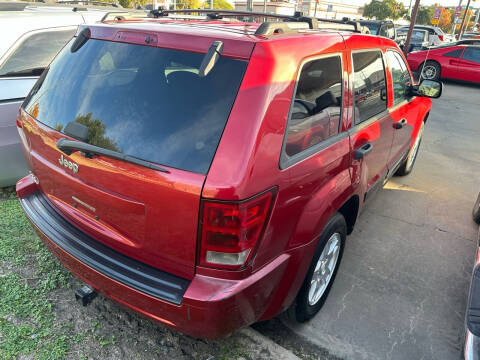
29 40
436 36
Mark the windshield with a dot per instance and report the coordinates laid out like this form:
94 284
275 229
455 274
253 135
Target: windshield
372 27
142 101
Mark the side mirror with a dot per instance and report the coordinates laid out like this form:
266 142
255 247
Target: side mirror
428 88
383 94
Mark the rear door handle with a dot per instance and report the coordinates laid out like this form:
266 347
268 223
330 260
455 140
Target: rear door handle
362 151
400 124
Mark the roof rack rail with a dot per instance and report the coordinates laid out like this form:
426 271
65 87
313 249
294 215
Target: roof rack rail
87 2
217 13
268 28
285 23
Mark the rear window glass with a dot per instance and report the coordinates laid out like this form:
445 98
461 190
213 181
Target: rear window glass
142 101
369 83
372 27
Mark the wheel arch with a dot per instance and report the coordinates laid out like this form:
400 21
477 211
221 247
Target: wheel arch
425 118
349 210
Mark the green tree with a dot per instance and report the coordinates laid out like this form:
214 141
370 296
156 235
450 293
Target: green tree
384 9
188 4
96 132
425 15
131 3
218 4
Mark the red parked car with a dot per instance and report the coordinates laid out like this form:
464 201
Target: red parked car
458 62
206 173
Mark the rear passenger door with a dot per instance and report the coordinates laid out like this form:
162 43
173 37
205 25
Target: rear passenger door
372 133
316 148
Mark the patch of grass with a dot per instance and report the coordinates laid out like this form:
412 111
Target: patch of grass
17 239
232 351
28 274
8 193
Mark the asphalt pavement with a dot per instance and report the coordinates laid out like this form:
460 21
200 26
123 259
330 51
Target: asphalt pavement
402 286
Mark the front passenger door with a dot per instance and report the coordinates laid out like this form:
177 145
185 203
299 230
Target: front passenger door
469 65
403 108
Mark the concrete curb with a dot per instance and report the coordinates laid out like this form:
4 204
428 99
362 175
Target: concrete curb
256 344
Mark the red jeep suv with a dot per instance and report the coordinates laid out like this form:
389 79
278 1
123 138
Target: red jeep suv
205 171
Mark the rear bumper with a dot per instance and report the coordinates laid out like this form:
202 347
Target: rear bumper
471 348
204 307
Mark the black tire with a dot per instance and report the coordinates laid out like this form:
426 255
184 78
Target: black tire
302 309
476 210
407 165
431 70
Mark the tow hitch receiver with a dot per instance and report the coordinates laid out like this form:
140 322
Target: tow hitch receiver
85 294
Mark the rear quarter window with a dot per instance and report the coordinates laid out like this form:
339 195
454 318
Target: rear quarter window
142 101
454 53
316 107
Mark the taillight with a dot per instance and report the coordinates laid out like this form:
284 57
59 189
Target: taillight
440 37
230 231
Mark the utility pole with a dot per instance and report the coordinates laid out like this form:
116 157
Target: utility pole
265 6
211 4
413 20
455 18
463 20
249 5
476 20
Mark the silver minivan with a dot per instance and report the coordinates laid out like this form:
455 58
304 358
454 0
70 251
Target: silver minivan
29 41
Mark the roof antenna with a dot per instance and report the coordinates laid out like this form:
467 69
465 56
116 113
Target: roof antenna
210 58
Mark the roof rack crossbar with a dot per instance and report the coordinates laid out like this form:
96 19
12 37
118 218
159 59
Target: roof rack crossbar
123 15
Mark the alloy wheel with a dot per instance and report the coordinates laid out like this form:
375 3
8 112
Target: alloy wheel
429 72
324 269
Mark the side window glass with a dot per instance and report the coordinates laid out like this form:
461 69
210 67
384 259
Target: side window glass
316 109
418 36
369 84
472 54
390 31
35 53
383 31
401 79
454 53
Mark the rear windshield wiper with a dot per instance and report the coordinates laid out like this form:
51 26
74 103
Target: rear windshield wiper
67 146
37 71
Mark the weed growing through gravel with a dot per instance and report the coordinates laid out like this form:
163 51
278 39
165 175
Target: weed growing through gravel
28 274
